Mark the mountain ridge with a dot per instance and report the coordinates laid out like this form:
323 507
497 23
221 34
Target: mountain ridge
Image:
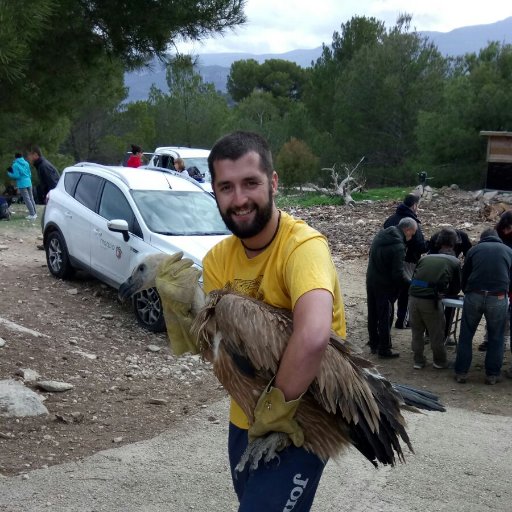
214 67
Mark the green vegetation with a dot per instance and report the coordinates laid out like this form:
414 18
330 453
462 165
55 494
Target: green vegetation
383 194
289 198
385 93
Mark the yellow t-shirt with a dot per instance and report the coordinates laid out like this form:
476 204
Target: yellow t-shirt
297 261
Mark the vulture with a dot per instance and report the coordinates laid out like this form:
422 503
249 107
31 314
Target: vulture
348 403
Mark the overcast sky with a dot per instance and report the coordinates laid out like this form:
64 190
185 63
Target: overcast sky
278 26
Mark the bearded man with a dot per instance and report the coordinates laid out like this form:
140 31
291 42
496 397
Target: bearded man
282 261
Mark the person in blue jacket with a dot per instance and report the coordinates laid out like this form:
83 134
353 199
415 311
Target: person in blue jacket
20 171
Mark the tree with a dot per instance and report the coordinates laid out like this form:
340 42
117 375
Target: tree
320 91
92 119
296 163
66 41
196 110
281 78
380 93
477 96
243 78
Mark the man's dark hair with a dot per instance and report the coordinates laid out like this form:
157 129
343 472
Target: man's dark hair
36 150
136 149
488 232
17 155
237 144
504 222
447 237
411 200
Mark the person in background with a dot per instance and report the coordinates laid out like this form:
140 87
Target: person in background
485 281
504 230
179 166
436 275
195 173
135 159
46 171
385 278
416 246
462 246
20 171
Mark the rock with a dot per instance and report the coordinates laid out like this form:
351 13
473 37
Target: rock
72 291
478 194
87 355
454 186
107 316
117 439
4 247
489 195
54 386
28 374
16 400
2 342
153 348
157 401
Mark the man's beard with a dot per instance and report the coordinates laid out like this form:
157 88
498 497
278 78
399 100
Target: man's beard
261 219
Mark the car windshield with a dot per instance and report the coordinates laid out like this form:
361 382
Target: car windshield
201 163
186 213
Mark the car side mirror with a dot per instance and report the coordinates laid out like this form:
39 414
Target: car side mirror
119 226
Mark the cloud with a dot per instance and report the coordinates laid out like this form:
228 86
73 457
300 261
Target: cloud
279 26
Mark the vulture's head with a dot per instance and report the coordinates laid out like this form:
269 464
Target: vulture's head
144 274
177 281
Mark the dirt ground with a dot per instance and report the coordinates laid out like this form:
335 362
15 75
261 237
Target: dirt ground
129 387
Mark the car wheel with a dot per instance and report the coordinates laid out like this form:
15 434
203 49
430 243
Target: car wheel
57 257
148 310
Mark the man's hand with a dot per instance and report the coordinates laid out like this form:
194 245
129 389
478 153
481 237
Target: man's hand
274 414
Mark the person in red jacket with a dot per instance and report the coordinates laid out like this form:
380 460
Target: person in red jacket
135 159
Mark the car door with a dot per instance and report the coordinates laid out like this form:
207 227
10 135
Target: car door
80 215
111 255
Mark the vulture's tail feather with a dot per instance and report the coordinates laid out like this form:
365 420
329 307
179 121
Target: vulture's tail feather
419 398
381 445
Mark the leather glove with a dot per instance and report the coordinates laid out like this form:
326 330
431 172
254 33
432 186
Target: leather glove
274 414
177 281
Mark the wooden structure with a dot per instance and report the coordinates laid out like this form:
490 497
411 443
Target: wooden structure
499 160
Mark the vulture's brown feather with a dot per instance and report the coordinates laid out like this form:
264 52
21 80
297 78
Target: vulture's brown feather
346 403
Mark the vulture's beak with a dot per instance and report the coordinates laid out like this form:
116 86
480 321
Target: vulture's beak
129 287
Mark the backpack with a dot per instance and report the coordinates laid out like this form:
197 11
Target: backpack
4 209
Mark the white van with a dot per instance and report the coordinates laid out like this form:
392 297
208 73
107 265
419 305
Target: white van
164 157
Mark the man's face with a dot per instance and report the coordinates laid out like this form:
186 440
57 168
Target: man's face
409 233
32 157
244 194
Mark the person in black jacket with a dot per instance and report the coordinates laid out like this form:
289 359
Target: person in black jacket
46 171
384 279
485 281
416 246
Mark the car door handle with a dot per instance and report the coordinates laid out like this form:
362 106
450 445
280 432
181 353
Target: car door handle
69 214
97 232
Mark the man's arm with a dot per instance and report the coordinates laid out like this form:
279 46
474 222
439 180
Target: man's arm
312 318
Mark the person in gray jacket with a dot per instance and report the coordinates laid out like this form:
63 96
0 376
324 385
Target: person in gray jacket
485 281
384 279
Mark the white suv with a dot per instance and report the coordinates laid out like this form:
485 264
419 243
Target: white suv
164 157
105 220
